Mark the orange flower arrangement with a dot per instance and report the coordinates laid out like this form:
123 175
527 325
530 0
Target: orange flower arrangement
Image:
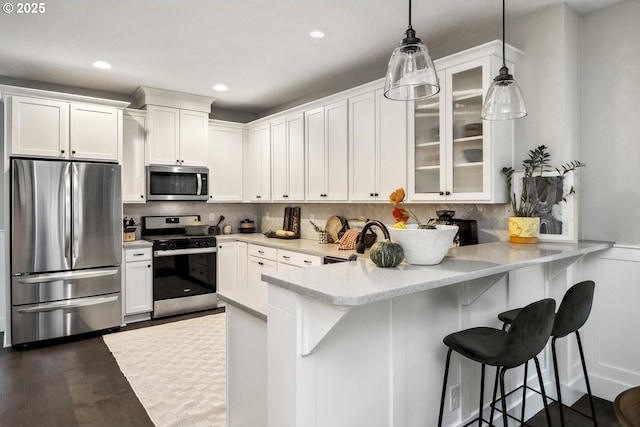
403 214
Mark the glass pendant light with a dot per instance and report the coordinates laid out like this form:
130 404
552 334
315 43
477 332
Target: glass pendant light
504 99
411 74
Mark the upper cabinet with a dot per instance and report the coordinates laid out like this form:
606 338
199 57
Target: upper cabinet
225 161
326 138
377 146
177 126
456 156
257 164
177 137
133 151
287 158
48 124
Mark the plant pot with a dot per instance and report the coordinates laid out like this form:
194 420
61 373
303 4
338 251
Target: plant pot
524 229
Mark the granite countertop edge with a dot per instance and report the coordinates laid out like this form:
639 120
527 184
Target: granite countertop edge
445 274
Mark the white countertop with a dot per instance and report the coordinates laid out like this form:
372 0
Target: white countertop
361 282
133 244
253 301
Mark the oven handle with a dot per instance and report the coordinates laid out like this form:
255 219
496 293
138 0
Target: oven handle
190 251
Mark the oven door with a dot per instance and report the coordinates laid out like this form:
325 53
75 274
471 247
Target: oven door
184 280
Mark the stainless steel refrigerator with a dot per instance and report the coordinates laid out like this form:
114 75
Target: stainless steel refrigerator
66 248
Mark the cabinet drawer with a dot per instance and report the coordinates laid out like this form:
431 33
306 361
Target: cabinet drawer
142 254
263 252
298 259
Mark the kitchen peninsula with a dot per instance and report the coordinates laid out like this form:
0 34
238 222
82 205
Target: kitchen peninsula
353 344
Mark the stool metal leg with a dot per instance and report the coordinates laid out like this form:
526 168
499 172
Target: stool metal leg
555 372
586 379
481 396
503 395
495 394
524 391
544 395
444 386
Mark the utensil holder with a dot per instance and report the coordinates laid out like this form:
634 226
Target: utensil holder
323 237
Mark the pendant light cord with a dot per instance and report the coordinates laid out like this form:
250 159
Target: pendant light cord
504 63
410 13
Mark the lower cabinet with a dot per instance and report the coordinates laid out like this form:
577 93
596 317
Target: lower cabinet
138 289
262 259
231 265
291 259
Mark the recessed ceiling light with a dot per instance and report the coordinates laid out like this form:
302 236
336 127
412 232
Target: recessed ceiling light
316 34
102 65
220 88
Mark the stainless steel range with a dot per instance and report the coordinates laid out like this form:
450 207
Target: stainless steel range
184 266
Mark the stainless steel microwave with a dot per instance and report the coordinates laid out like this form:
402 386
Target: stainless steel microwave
177 183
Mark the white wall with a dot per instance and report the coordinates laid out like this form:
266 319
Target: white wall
610 206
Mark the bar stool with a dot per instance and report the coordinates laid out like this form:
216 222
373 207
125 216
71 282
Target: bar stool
527 336
627 407
572 314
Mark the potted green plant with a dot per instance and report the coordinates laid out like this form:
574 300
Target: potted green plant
537 189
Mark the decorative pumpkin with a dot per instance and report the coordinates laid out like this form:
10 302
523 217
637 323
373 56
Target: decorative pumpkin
386 254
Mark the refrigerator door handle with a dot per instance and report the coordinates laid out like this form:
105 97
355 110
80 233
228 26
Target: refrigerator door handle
65 194
68 304
53 277
76 226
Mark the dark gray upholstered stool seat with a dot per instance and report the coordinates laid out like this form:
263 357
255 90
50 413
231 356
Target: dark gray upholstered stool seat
572 314
527 336
627 407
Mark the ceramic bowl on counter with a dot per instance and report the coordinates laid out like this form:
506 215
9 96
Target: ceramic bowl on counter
424 246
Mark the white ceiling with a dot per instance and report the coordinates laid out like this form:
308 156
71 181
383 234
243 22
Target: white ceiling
260 49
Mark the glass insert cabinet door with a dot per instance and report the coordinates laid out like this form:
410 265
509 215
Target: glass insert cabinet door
429 145
450 146
466 129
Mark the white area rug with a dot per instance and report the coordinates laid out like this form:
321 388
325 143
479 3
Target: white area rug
177 370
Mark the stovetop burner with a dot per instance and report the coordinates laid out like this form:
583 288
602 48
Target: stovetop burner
168 233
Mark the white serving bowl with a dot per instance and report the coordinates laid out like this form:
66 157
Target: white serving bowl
424 246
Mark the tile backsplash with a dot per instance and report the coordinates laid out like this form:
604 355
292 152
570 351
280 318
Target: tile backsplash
492 219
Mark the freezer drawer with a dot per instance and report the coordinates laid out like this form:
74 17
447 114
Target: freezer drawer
38 322
40 288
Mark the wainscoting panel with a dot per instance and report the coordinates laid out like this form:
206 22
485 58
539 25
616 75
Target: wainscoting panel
611 337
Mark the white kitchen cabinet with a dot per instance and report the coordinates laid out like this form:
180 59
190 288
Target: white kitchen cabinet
231 265
326 138
290 259
247 369
257 164
262 259
225 162
287 160
377 146
133 151
138 289
95 132
42 127
456 156
177 136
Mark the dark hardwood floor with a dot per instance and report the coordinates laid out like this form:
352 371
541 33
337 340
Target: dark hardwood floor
70 382
77 382
605 415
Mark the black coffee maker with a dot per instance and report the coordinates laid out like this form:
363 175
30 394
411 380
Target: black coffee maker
467 228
